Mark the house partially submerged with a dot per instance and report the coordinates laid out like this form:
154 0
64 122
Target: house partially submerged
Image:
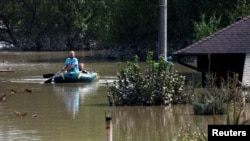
224 52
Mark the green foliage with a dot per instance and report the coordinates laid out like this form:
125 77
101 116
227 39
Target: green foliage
210 100
213 100
157 86
130 24
133 21
241 10
204 29
235 99
208 103
188 133
32 21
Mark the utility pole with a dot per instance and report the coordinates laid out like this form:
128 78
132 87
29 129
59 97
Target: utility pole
162 33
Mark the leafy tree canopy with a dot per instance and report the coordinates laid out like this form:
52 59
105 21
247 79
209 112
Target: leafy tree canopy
132 24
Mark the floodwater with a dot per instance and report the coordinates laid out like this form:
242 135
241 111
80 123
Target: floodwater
76 112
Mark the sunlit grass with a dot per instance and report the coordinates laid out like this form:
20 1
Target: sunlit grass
190 133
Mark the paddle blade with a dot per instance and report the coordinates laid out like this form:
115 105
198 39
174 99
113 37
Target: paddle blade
48 75
48 81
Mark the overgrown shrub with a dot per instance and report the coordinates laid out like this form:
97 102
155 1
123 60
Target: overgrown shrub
159 84
235 99
213 100
208 102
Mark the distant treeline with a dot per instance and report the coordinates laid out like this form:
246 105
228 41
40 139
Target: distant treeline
118 24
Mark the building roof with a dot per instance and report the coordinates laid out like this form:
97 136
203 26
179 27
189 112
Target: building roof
234 38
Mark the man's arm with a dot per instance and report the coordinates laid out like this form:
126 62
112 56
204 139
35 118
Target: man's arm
70 67
67 68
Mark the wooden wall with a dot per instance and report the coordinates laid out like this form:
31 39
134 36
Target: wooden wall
246 71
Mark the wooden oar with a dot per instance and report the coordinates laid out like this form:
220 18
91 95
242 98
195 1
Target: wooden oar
48 75
7 71
51 78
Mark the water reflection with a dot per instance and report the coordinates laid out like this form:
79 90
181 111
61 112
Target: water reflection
157 122
74 95
18 135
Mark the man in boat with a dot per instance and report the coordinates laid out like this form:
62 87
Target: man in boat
81 68
71 63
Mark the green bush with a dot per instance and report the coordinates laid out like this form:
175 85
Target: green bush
213 100
159 84
209 100
208 103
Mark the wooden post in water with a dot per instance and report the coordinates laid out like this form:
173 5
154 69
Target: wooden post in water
108 119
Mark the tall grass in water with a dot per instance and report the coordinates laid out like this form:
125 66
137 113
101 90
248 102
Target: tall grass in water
235 99
228 99
209 100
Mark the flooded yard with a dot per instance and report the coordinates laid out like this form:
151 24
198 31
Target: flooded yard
76 112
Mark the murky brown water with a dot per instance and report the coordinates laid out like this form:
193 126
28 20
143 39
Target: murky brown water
75 112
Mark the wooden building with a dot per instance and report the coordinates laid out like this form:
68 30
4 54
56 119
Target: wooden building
224 52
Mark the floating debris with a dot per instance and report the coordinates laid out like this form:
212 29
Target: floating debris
3 97
13 91
28 90
20 114
34 115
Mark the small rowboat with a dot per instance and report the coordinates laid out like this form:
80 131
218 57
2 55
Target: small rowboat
71 77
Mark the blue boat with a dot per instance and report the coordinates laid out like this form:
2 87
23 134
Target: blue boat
71 77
